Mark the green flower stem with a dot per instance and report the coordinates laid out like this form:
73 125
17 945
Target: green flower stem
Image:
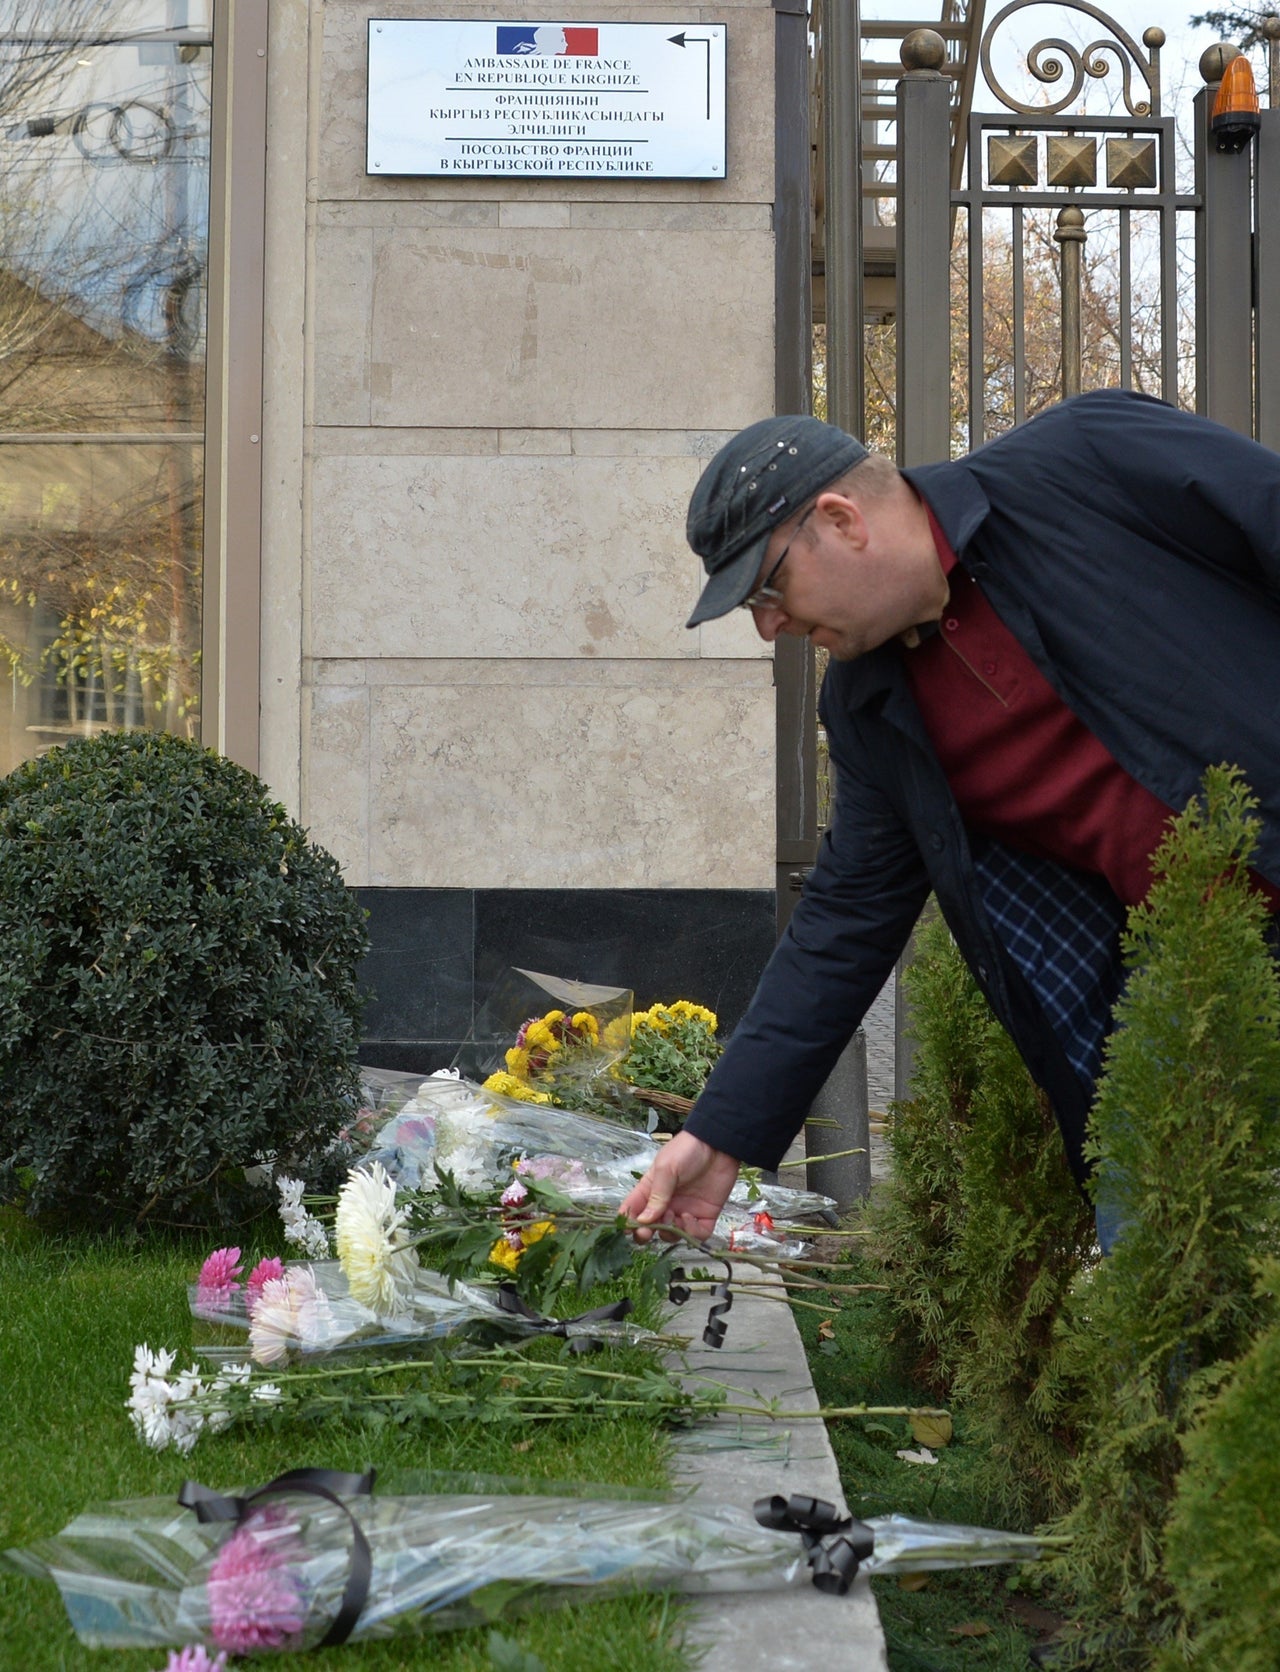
827 1155
766 1291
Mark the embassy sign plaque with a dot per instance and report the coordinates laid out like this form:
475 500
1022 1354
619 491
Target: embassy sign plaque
581 100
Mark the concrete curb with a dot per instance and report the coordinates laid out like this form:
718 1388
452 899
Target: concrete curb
737 1460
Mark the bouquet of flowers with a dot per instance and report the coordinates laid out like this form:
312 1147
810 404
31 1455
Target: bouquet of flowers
481 1135
312 1559
566 1037
673 1049
293 1311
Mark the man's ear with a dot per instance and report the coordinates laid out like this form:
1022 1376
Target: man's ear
844 516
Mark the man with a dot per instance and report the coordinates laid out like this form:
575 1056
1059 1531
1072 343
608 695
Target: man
1035 653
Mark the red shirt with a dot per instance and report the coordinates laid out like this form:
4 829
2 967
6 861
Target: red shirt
1021 766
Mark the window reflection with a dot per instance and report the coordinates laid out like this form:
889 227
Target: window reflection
104 177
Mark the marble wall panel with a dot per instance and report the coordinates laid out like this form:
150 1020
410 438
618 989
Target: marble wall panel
571 787
545 327
507 555
341 323
748 99
336 775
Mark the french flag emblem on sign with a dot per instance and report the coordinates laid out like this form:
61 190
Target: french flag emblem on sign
547 40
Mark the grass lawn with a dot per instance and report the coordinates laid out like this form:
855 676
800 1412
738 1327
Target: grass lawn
71 1313
954 1621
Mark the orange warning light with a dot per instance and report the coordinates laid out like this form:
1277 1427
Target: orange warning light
1235 117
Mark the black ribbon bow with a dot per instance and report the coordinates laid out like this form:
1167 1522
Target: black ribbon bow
316 1483
510 1300
715 1330
835 1543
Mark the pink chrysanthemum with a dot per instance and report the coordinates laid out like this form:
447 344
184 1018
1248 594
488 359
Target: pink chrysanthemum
264 1272
255 1601
194 1658
217 1281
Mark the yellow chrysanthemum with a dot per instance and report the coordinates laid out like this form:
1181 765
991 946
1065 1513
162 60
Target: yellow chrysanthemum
505 1255
617 1033
584 1023
518 1062
507 1085
502 1254
694 1013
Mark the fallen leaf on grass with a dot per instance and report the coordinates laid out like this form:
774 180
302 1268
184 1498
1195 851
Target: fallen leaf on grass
932 1431
826 1330
924 1455
971 1628
523 1445
912 1581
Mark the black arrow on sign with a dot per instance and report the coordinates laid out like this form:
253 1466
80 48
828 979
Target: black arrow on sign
697 40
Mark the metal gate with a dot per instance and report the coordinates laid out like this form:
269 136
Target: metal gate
1094 201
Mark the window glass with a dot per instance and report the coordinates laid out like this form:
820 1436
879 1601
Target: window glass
104 195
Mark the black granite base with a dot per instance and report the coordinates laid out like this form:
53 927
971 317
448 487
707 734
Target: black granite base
437 952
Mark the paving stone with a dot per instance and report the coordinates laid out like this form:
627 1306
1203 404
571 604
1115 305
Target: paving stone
736 1460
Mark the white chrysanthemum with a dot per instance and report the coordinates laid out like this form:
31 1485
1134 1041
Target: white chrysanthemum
164 1413
216 1416
381 1270
267 1393
301 1228
291 1311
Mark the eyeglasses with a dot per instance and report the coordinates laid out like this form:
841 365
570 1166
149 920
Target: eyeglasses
766 593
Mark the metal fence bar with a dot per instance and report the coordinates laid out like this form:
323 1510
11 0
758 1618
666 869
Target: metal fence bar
1070 234
977 327
842 121
1125 233
1019 319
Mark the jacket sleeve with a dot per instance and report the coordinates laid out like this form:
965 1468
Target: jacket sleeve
859 906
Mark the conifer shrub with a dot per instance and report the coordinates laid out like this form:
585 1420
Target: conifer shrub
1223 1540
1185 1118
178 988
982 1232
915 1216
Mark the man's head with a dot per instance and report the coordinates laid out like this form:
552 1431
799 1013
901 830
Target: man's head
755 483
798 522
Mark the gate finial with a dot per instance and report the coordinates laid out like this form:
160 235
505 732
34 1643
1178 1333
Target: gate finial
923 51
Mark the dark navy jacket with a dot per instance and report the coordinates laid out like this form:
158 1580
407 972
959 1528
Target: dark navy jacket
1134 552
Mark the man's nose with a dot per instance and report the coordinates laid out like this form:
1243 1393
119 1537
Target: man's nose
769 621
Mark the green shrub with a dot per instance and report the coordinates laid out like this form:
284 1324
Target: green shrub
916 1215
1185 1120
1223 1543
177 984
982 1233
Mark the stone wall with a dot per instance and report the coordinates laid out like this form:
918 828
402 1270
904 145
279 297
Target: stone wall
487 403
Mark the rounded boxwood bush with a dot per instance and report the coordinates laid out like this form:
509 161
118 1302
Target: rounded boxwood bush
178 993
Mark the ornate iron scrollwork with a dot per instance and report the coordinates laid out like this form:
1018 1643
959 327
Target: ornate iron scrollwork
1048 61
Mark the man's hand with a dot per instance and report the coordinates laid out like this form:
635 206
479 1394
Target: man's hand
687 1186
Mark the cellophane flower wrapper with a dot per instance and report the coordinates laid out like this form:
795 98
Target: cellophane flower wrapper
145 1573
566 1067
906 1545
311 1314
481 1134
405 1142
